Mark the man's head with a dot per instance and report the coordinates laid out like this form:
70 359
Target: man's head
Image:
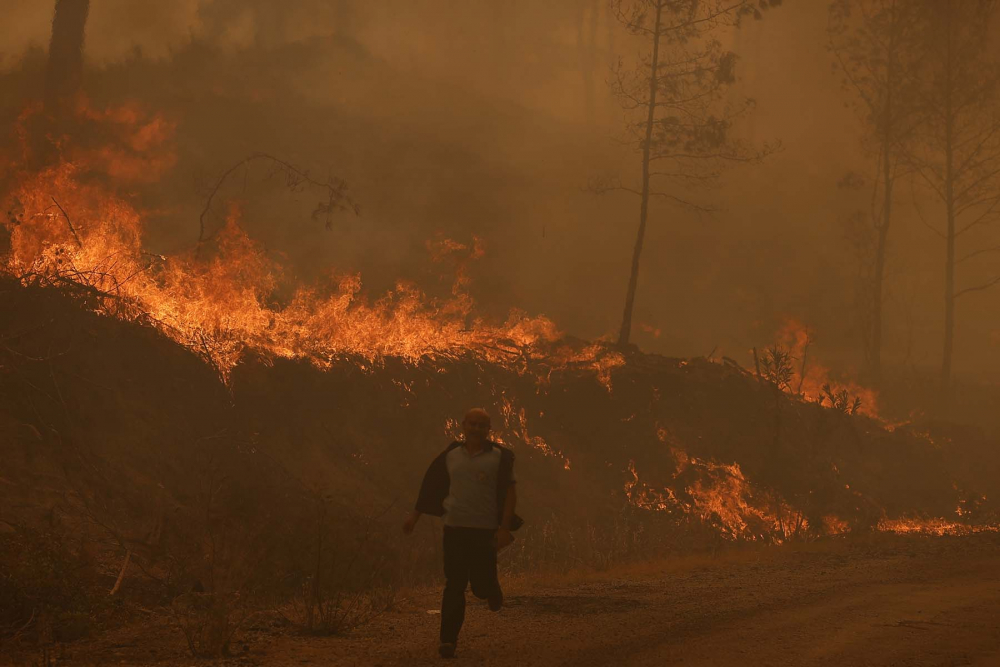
476 425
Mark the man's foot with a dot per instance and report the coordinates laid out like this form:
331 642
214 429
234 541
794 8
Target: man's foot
496 600
447 649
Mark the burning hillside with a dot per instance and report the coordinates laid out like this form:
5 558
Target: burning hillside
252 274
257 260
68 228
201 414
766 454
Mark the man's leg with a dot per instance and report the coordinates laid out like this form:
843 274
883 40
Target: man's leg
456 574
483 569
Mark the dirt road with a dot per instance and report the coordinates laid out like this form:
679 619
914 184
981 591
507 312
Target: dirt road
934 601
889 601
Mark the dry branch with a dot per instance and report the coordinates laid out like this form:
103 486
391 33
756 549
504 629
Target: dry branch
68 222
121 574
336 189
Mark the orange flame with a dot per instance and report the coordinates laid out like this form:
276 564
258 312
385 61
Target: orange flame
719 495
812 379
936 526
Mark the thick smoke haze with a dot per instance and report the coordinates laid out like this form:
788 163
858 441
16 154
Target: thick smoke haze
488 119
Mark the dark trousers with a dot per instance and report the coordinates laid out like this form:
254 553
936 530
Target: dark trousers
469 557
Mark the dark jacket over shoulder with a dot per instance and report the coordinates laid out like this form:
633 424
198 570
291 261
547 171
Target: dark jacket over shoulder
437 482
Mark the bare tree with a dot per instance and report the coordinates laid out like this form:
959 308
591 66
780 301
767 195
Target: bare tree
956 150
674 102
874 46
862 237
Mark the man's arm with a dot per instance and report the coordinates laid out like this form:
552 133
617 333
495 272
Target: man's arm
434 488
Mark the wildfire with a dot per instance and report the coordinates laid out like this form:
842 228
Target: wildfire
595 357
722 496
719 495
70 227
811 379
70 232
937 527
515 420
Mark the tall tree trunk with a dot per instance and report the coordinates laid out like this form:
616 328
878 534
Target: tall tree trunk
875 359
949 191
626 330
875 356
64 72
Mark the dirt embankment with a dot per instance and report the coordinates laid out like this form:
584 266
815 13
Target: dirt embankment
125 456
878 601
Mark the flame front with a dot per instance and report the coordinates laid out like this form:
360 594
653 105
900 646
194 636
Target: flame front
719 495
68 232
812 380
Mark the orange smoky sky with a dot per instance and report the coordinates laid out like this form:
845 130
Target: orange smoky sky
486 120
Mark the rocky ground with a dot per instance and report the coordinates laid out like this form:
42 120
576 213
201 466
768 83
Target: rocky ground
881 600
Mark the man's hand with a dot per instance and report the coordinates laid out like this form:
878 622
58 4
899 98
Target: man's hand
502 538
411 522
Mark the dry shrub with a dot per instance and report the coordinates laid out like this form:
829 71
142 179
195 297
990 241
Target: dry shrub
602 541
42 593
351 567
208 621
342 610
260 539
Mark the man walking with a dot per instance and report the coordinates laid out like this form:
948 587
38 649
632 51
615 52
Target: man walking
470 485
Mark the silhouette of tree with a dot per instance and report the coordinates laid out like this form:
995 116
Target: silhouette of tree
673 96
874 44
956 146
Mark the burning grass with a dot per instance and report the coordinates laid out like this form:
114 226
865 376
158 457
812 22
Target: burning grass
70 226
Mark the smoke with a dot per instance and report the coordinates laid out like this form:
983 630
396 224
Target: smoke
487 119
115 28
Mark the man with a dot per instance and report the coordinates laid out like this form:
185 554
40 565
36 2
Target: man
471 485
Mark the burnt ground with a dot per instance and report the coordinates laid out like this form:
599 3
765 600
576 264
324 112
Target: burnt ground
880 600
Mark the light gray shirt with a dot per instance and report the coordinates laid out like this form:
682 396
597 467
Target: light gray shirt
472 492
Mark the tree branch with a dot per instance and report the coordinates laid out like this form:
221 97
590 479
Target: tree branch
978 288
976 253
982 219
920 214
336 190
68 221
